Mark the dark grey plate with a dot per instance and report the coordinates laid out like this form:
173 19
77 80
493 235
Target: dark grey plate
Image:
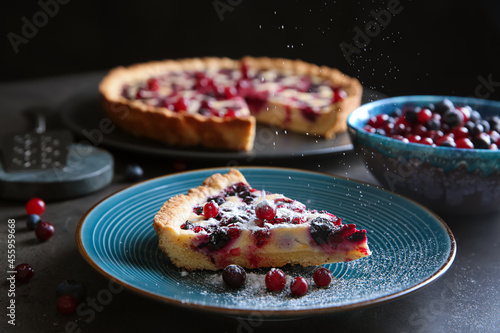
84 115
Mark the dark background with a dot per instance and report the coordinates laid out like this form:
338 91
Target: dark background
430 47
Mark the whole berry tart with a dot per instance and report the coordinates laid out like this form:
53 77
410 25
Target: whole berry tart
226 221
216 102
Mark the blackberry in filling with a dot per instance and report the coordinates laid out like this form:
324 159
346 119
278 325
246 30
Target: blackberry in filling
217 239
322 230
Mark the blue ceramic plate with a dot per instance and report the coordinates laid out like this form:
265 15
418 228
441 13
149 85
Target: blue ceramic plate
411 246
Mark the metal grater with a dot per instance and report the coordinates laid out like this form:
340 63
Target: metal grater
36 150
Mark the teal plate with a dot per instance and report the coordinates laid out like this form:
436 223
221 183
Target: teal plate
411 246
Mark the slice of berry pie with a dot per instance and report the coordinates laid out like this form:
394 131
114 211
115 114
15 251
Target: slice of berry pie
226 221
215 102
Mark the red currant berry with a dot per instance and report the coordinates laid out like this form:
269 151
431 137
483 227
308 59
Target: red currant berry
338 95
243 86
140 94
211 209
466 111
464 143
495 136
380 120
230 92
66 304
299 286
205 104
181 104
435 134
153 84
24 272
265 210
420 130
424 116
369 129
234 276
445 138
198 229
44 230
399 137
426 141
403 121
399 128
388 128
414 138
35 206
230 113
322 277
275 279
233 232
244 70
460 132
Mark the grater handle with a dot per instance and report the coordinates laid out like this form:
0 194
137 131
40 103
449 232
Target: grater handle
37 115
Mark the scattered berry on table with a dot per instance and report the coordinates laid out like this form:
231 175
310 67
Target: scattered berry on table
66 304
265 210
73 288
299 286
133 172
35 206
33 221
275 279
44 230
24 272
322 277
234 276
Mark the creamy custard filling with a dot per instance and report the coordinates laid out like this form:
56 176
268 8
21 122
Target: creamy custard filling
236 213
234 92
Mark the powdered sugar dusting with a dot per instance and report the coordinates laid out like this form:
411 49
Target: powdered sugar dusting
353 282
286 211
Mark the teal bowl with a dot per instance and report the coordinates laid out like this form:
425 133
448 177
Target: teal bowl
446 180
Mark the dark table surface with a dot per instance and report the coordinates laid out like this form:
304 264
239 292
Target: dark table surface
465 299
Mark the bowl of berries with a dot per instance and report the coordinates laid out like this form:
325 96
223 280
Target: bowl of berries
441 151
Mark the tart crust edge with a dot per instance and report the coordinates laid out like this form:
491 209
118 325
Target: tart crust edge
172 215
